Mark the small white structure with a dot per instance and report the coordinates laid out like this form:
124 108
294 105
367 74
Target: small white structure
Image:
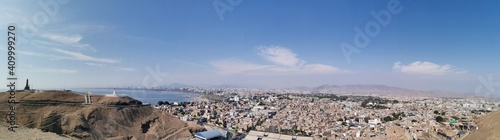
374 121
186 118
88 100
236 98
114 94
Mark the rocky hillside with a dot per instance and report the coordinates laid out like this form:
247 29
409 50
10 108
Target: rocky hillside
107 118
489 128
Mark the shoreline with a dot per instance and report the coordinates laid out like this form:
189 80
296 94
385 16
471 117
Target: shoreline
145 96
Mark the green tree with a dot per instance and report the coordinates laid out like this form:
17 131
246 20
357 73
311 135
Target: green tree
436 112
387 119
363 104
343 98
439 119
160 102
414 121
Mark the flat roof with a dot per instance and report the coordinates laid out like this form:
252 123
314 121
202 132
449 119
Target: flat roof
208 134
254 135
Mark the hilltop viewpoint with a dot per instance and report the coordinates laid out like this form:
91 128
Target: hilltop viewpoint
117 118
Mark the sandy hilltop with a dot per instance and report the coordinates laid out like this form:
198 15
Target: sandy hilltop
29 134
117 118
489 128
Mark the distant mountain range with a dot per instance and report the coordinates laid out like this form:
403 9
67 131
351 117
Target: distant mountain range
363 88
383 90
366 90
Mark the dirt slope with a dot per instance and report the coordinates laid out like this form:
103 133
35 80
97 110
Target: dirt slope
107 118
28 134
489 128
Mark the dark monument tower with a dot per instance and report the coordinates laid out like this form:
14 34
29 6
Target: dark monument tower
27 87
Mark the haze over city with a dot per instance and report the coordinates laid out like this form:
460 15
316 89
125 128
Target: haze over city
424 45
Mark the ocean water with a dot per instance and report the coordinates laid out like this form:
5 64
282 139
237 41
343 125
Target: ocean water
144 96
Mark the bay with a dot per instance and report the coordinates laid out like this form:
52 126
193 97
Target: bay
145 96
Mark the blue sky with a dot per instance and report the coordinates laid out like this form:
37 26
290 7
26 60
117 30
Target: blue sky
426 45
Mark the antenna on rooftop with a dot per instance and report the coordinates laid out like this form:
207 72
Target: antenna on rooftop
64 82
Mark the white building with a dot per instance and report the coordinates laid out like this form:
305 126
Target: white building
374 121
88 100
186 118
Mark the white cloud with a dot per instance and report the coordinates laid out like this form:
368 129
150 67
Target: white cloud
111 67
307 69
428 68
280 56
284 62
95 64
320 68
233 66
58 71
71 40
123 69
66 39
38 54
82 57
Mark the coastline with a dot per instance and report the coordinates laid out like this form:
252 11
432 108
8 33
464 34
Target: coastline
145 96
